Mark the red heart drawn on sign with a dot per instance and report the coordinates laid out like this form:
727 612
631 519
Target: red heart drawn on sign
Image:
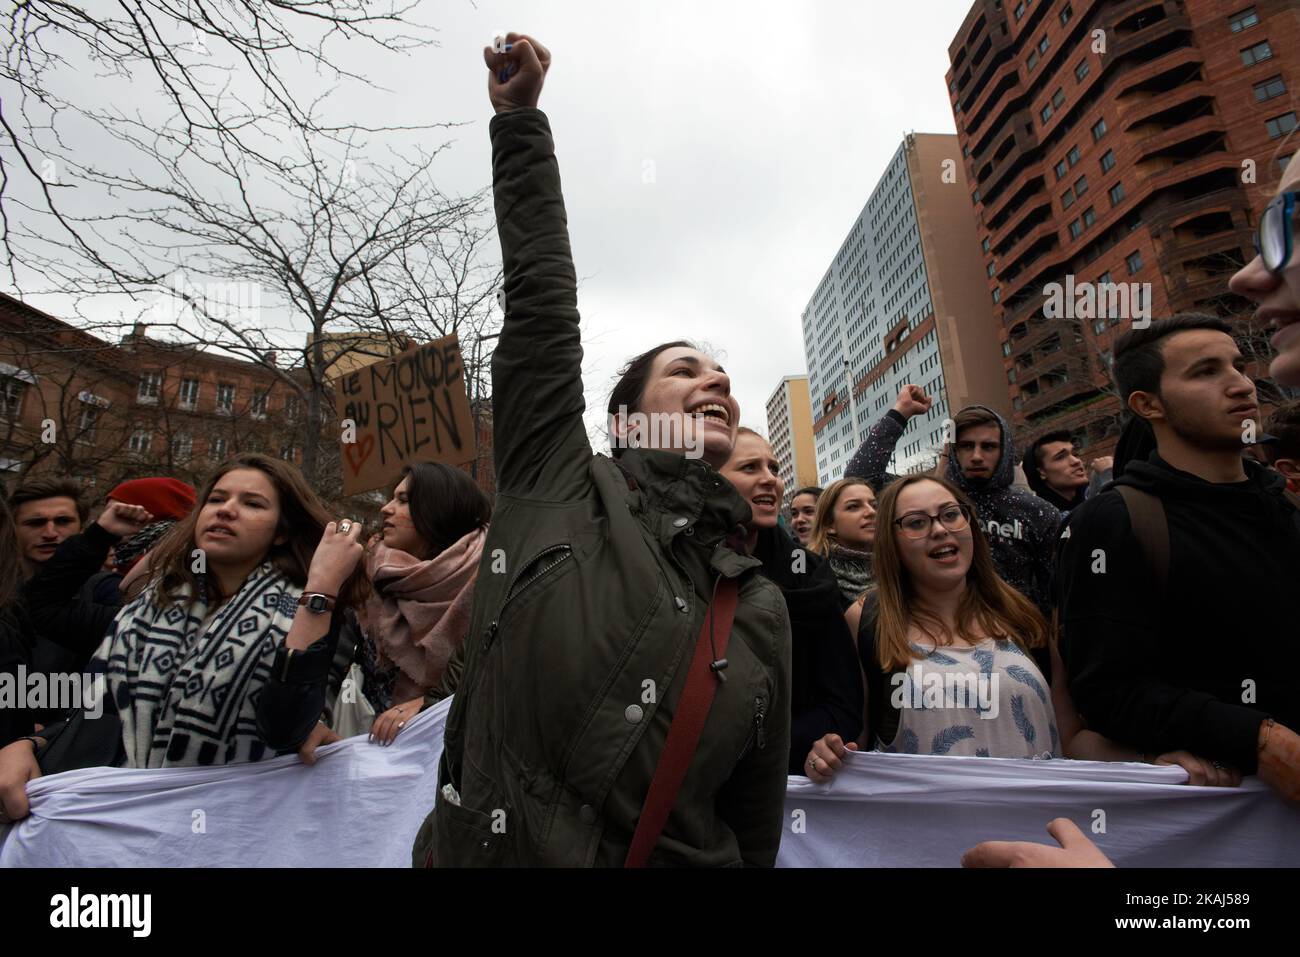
358 452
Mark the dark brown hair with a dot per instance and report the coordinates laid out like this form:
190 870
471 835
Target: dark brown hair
1139 353
445 505
303 518
34 490
630 387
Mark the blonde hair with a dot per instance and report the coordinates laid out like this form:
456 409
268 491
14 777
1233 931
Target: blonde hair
822 538
989 606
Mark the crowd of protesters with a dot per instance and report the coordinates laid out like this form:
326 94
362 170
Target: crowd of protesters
662 650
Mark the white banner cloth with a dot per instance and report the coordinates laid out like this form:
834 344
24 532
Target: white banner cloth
361 806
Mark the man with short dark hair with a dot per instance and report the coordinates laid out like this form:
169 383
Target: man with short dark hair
1283 452
803 509
1056 474
45 511
1021 527
1158 573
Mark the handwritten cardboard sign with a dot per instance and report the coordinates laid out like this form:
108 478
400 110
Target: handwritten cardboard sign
411 408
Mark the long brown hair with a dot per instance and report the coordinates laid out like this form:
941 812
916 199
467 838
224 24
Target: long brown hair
822 539
303 518
989 607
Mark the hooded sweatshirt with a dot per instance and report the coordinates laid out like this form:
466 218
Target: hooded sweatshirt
1020 526
1199 666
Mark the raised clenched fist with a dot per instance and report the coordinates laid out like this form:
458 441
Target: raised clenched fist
518 66
911 401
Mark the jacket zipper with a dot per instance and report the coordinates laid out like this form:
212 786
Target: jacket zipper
759 718
512 592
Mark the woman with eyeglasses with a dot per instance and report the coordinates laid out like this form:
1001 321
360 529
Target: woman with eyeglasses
946 645
1272 278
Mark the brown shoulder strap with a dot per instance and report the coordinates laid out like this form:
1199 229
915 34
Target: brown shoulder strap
688 722
1146 514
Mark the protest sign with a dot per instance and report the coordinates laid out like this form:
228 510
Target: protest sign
410 408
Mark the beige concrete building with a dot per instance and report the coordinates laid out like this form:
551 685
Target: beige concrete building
904 301
789 429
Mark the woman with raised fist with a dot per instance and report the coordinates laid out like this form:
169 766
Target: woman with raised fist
242 599
619 602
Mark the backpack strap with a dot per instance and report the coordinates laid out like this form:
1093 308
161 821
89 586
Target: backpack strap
1146 514
702 682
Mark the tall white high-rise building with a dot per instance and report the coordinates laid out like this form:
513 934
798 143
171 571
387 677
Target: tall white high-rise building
904 301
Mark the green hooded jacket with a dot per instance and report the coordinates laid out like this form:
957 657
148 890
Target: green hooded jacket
592 590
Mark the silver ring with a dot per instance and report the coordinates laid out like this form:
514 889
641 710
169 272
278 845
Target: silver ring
812 764
345 526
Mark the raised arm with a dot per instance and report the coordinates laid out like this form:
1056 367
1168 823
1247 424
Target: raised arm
872 457
539 440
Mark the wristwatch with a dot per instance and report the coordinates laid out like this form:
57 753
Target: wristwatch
317 603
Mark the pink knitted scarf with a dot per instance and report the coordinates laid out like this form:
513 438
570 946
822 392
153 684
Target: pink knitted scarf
419 611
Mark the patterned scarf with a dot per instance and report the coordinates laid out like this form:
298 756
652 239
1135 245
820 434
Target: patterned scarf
853 571
186 677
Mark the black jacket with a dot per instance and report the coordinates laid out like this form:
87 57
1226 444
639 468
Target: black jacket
62 609
1201 665
826 692
16 642
1020 526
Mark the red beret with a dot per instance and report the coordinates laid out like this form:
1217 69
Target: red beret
164 497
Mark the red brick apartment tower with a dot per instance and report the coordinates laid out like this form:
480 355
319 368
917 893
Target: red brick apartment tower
1116 141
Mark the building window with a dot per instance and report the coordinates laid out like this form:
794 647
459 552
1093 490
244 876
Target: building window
189 394
1281 125
1060 170
1117 194
984 245
1098 129
1046 113
1058 99
258 409
11 396
1270 88
1282 161
1242 20
140 441
225 398
1081 71
992 268
975 197
997 296
1066 14
1075 230
1043 44
217 448
1067 199
1011 375
1104 278
1134 262
1099 326
1089 217
1006 348
1108 161
182 445
1081 186
291 406
150 384
1020 11
289 453
90 412
1032 61
1073 155
1257 53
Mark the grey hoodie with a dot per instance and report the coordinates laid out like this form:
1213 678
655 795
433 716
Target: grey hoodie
1020 526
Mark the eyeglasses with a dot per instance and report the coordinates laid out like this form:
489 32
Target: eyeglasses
1273 239
918 524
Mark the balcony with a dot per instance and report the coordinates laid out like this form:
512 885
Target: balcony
1139 112
1044 230
1187 169
1152 146
1004 79
1067 390
1174 252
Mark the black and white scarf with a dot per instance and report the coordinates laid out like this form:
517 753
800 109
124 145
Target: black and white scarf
186 678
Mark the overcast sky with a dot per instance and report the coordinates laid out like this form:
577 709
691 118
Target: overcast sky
763 127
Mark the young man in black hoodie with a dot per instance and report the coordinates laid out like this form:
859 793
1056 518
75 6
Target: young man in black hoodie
1057 475
1021 526
1161 660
